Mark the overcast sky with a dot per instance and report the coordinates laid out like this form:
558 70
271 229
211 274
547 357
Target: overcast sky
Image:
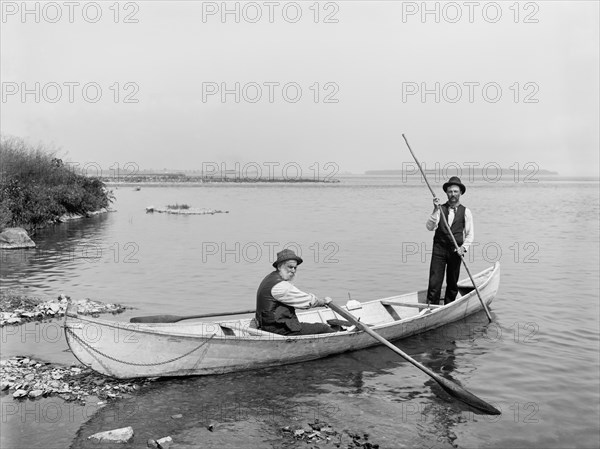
507 83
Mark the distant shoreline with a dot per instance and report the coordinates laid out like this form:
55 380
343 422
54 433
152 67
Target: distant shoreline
466 172
167 179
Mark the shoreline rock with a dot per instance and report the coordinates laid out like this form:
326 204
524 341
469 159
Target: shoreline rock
70 217
15 238
18 238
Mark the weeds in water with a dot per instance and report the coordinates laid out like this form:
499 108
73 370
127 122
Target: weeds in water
178 206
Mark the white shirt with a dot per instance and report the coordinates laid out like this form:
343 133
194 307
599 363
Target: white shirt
468 232
290 295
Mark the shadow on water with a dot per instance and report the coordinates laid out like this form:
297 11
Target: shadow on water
250 408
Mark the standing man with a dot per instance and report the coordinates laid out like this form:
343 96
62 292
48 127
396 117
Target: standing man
277 298
444 255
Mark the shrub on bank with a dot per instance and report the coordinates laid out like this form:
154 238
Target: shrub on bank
37 187
177 206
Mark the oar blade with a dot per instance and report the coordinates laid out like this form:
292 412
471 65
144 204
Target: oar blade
450 387
466 396
155 319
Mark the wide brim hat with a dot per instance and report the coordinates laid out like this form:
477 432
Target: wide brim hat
286 254
455 181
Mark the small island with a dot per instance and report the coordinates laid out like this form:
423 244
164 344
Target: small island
180 177
183 209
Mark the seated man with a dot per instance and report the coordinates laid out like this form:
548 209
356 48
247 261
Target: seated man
277 298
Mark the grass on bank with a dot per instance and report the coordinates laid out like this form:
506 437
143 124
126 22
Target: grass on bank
36 187
178 206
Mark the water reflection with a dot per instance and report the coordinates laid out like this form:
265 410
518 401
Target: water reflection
441 418
60 248
333 390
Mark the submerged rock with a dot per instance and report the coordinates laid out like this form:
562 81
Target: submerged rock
122 435
15 238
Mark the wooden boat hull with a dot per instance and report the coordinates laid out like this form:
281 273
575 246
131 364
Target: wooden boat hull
128 350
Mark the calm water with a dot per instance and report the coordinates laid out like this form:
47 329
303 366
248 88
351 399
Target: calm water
538 361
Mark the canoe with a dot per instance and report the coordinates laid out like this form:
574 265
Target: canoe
129 350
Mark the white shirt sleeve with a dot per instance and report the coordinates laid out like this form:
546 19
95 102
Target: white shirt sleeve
469 232
290 295
433 220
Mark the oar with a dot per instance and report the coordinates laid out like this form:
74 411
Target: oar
487 312
176 318
452 388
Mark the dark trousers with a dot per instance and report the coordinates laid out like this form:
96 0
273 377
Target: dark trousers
307 329
443 258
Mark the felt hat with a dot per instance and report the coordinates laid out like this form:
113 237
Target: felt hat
455 181
286 254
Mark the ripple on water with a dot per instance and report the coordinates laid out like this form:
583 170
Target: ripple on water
541 351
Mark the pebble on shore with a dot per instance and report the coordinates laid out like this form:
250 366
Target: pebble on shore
24 377
18 309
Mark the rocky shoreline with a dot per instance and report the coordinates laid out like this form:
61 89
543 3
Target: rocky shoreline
27 378
18 238
17 309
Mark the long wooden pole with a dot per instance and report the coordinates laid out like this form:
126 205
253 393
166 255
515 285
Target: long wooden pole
487 312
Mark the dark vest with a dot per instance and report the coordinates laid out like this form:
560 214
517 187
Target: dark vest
458 226
271 314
